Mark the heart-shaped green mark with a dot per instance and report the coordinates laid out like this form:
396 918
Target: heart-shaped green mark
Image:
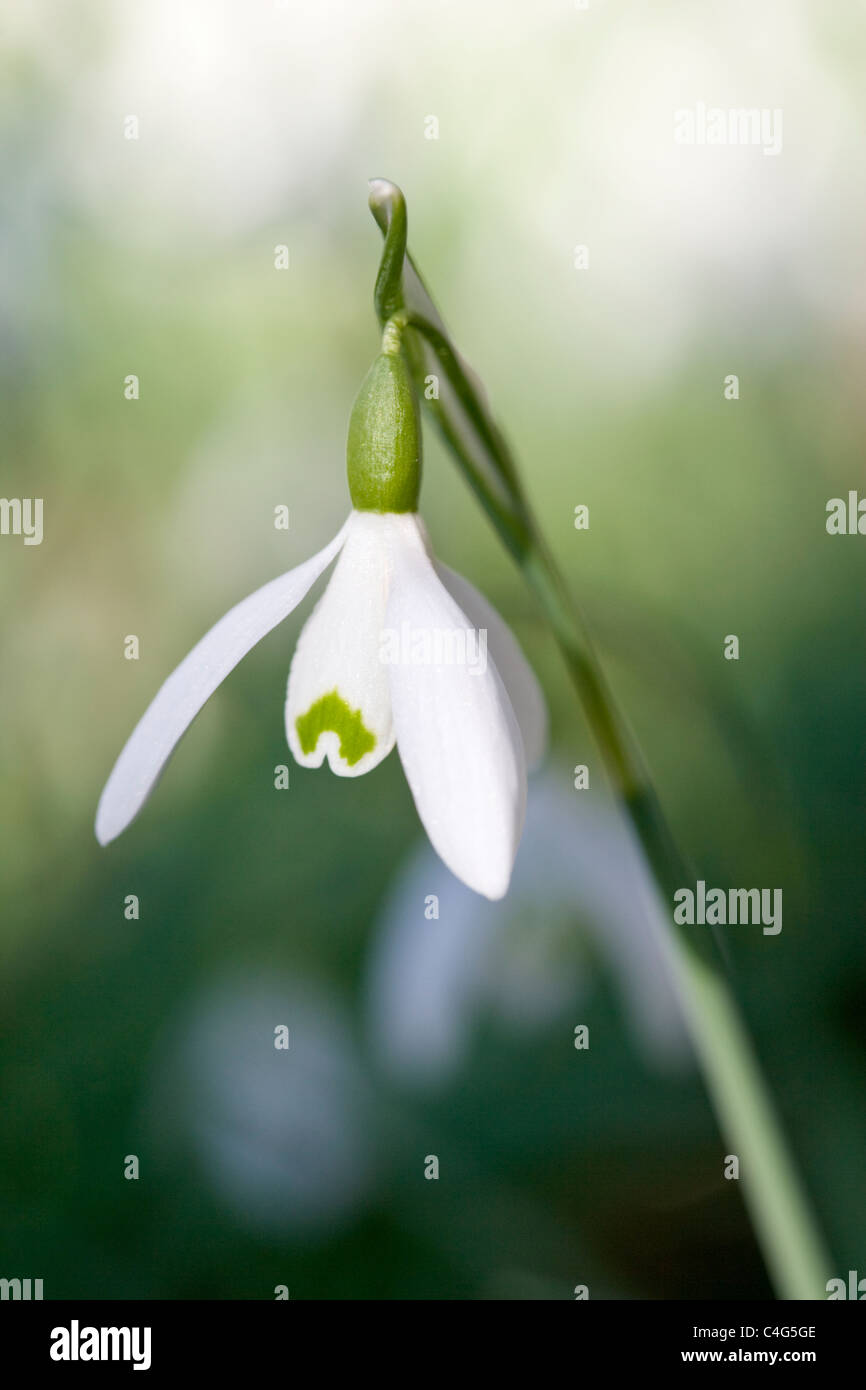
330 712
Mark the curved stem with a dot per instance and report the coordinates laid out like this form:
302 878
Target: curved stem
389 208
784 1226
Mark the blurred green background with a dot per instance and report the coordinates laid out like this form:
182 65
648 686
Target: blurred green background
259 125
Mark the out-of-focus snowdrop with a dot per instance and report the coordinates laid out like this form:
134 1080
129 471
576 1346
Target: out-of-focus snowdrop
284 1135
581 898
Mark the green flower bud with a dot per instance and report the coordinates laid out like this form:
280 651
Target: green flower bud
383 453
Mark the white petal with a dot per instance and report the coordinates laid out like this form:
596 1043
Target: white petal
338 701
456 731
520 680
193 682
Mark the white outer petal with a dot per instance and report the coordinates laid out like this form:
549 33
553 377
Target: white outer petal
339 649
457 735
520 680
191 685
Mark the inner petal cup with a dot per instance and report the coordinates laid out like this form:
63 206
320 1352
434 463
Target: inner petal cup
338 703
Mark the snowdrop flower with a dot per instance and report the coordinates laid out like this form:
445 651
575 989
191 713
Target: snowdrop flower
582 896
286 1136
399 650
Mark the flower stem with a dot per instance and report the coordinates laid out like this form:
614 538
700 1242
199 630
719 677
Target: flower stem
784 1226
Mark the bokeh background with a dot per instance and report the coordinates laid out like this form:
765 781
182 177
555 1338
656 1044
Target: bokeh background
259 125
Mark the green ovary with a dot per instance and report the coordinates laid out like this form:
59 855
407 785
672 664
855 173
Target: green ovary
331 712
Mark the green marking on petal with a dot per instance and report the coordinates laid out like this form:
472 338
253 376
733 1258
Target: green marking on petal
331 712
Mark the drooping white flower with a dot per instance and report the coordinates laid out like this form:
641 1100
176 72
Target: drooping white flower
287 1137
398 650
582 901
